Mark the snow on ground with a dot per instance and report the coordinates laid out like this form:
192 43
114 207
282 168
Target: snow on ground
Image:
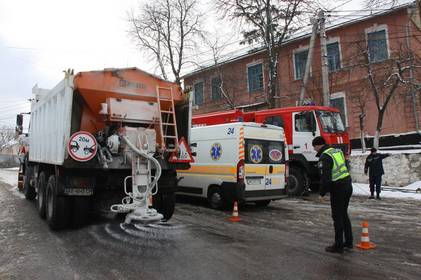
10 177
358 152
364 190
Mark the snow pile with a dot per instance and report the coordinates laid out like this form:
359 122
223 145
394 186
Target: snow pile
364 190
358 152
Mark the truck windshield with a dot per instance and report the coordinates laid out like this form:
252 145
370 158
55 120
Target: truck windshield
331 121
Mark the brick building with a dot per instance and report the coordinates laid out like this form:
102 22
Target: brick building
385 34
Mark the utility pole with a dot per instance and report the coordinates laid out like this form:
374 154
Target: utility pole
315 23
325 72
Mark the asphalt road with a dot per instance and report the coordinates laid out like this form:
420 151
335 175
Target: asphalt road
283 241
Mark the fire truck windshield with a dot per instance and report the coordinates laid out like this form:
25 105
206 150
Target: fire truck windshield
331 121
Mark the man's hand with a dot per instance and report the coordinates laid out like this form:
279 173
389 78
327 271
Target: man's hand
321 199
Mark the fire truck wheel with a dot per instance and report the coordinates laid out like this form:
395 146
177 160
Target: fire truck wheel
164 203
262 203
215 198
28 190
42 185
295 181
58 207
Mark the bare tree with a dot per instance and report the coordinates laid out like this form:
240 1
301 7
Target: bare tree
269 22
360 97
7 133
217 47
168 30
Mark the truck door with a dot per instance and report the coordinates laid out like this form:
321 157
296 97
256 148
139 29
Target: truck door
254 165
304 130
264 165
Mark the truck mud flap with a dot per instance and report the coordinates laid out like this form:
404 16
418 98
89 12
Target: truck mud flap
233 191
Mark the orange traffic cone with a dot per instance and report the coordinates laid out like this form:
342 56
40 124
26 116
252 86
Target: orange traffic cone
235 217
365 243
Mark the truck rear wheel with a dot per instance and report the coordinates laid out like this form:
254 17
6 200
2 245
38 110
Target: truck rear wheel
81 210
296 181
42 185
28 190
58 207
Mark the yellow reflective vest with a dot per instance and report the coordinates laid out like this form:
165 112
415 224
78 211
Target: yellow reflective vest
339 169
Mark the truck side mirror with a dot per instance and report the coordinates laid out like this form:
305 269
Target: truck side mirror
19 124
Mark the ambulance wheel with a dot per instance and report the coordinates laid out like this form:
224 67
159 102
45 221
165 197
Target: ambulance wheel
296 181
215 198
262 203
58 207
42 185
28 190
164 203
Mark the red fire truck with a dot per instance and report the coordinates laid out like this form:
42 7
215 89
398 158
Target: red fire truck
301 125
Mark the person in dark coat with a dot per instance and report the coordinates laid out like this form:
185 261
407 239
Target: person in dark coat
374 167
336 180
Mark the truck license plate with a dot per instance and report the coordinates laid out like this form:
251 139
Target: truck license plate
79 191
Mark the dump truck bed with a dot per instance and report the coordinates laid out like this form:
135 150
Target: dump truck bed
74 105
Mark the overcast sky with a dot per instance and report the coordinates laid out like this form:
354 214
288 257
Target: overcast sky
39 39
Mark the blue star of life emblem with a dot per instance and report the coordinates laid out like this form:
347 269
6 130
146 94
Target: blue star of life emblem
256 154
216 151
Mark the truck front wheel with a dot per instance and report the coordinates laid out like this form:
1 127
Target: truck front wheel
58 207
296 181
164 203
28 190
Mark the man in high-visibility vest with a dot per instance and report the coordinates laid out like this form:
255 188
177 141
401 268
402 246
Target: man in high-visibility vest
336 180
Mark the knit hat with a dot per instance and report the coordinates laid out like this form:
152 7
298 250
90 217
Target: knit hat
373 150
318 141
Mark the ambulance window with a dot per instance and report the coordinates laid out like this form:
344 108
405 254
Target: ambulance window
264 152
255 151
276 152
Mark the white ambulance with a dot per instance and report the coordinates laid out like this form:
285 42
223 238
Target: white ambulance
241 161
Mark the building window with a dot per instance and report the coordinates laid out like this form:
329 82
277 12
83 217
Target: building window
377 45
216 88
255 77
337 100
300 59
333 56
198 93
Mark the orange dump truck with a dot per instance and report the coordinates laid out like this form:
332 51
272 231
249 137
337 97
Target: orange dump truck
103 139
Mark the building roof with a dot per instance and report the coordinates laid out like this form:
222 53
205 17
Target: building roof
305 34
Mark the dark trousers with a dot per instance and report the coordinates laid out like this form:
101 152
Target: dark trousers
340 195
375 181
